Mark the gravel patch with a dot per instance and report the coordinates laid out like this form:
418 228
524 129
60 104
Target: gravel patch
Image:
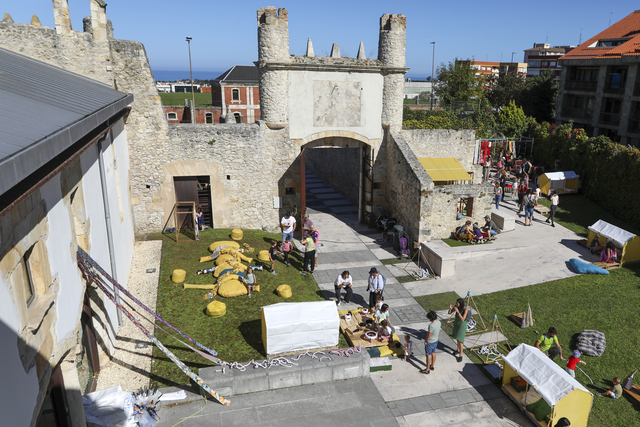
131 366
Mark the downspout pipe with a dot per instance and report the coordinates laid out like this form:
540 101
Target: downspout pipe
107 219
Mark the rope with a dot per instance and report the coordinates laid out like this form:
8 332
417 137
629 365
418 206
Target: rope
98 281
491 351
84 258
602 388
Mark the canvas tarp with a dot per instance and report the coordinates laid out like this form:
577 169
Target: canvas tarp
619 236
297 326
561 176
549 379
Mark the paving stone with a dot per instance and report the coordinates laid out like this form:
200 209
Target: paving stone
405 407
435 401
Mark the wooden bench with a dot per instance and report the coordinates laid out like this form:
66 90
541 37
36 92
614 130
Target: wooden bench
542 210
634 393
607 265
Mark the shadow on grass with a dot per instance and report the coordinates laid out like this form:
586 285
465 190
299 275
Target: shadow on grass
252 333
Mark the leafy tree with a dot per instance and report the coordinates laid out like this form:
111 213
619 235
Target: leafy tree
539 97
458 84
512 122
508 87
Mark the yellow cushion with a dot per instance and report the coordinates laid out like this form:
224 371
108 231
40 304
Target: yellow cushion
214 245
385 351
284 291
232 288
222 267
236 234
205 259
223 258
228 276
263 255
216 309
178 276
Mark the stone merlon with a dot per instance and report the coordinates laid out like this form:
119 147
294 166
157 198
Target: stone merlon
393 22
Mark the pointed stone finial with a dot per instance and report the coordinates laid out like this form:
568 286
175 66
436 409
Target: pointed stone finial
310 53
7 18
361 54
35 21
335 51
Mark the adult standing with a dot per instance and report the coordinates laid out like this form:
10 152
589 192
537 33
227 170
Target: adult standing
529 204
522 191
431 341
461 318
309 255
288 224
497 191
503 182
528 170
375 286
555 199
343 281
313 233
306 225
548 343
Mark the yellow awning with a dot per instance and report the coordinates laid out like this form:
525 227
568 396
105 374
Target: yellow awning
444 169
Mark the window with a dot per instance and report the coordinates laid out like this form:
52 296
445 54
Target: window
208 117
238 117
545 63
552 64
172 116
235 94
30 289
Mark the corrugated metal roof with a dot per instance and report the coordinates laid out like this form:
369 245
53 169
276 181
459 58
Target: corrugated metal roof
44 110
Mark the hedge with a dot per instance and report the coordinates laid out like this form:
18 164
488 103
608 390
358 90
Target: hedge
609 172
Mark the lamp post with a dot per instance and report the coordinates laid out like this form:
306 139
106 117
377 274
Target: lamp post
193 95
511 65
433 64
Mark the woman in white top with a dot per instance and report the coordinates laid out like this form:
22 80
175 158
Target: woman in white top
343 281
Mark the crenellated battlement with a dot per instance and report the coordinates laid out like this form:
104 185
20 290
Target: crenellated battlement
393 22
271 15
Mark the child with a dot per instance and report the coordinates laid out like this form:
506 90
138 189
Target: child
250 280
273 250
477 233
615 391
379 300
286 250
573 361
384 332
408 347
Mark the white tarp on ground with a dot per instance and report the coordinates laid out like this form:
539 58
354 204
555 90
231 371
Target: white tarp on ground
561 176
300 326
617 234
549 379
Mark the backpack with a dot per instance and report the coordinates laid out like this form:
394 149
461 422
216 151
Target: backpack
460 230
530 203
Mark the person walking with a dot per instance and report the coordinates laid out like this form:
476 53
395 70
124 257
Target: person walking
461 318
529 205
288 224
308 264
555 199
431 341
375 287
522 191
343 281
503 182
497 191
313 233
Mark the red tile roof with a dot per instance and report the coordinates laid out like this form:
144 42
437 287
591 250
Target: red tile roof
628 27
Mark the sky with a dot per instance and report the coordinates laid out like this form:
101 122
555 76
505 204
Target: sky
225 33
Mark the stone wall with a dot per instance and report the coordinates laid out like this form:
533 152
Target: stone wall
459 144
338 167
406 194
391 53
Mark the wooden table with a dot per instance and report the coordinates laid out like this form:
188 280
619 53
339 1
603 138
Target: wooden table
634 392
354 332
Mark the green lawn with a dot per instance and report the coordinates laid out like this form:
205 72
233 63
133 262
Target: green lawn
576 213
177 99
236 336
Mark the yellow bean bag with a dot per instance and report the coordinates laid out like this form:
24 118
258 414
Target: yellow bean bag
394 348
189 286
232 288
228 276
284 291
219 269
236 234
214 245
228 250
205 259
243 257
223 258
178 276
216 309
263 255
237 264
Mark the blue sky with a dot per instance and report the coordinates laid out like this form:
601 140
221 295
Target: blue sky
225 33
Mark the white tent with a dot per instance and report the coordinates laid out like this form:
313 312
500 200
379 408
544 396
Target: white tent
616 234
300 326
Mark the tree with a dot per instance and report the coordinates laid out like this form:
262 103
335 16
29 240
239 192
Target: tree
538 100
458 84
512 122
508 87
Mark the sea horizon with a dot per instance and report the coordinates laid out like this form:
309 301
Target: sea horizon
174 75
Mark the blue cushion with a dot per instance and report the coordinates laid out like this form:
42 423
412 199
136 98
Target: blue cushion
582 267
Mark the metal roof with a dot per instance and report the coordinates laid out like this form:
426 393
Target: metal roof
239 74
43 111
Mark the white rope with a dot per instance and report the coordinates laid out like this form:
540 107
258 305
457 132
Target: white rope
471 325
491 351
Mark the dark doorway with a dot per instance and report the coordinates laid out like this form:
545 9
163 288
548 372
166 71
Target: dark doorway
196 189
87 361
54 411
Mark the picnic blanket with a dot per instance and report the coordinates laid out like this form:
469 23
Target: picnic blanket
592 342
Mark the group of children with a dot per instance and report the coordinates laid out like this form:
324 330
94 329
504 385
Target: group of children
473 234
615 391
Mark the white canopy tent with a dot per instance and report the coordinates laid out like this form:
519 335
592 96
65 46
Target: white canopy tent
613 233
297 326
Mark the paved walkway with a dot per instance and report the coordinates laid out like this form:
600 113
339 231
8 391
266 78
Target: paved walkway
454 392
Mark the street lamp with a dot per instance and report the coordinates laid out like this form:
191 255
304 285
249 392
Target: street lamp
511 65
433 64
193 95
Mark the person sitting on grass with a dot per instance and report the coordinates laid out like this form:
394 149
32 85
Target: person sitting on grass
615 391
490 227
249 279
464 233
548 343
273 250
479 238
609 254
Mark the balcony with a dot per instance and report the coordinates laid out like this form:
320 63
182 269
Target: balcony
578 113
614 87
588 86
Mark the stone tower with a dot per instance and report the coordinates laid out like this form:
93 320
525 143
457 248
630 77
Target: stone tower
273 52
391 53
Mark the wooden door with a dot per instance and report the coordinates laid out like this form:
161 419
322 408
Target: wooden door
186 188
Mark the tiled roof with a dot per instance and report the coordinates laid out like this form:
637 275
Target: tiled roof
628 27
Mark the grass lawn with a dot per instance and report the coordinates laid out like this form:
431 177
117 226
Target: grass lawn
453 243
608 304
236 336
576 213
177 99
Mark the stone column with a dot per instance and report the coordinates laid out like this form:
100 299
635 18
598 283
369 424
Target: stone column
61 16
273 48
391 52
99 20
